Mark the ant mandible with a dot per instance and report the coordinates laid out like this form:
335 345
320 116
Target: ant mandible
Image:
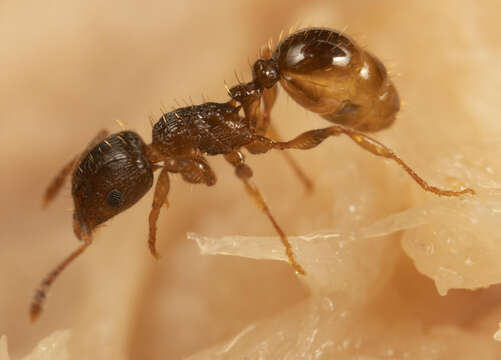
321 69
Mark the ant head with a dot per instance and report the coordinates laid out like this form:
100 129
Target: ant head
265 72
109 179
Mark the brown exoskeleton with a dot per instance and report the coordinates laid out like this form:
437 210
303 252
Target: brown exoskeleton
321 69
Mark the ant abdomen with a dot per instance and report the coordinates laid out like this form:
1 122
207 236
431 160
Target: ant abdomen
327 73
109 178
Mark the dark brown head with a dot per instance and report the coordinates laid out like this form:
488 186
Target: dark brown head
109 179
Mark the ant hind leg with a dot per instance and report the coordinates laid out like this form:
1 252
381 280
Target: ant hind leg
244 173
313 138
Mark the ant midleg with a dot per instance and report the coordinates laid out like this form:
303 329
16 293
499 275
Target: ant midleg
244 173
159 199
197 170
313 138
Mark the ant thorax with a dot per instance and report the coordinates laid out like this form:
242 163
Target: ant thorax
210 128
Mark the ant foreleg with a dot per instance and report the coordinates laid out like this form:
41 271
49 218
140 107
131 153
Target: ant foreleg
244 173
313 138
56 184
193 170
159 198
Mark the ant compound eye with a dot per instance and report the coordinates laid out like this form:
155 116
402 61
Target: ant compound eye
114 198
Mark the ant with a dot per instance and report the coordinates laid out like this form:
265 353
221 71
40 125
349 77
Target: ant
323 70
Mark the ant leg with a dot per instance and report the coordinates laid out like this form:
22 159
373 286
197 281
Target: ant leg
305 179
194 171
159 198
197 170
41 292
311 139
56 184
244 173
269 97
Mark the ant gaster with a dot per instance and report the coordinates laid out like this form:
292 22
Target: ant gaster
321 69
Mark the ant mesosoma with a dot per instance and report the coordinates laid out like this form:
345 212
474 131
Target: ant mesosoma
321 69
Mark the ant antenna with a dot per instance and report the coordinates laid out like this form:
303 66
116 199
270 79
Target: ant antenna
41 292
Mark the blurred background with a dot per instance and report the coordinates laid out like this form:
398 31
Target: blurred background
69 69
